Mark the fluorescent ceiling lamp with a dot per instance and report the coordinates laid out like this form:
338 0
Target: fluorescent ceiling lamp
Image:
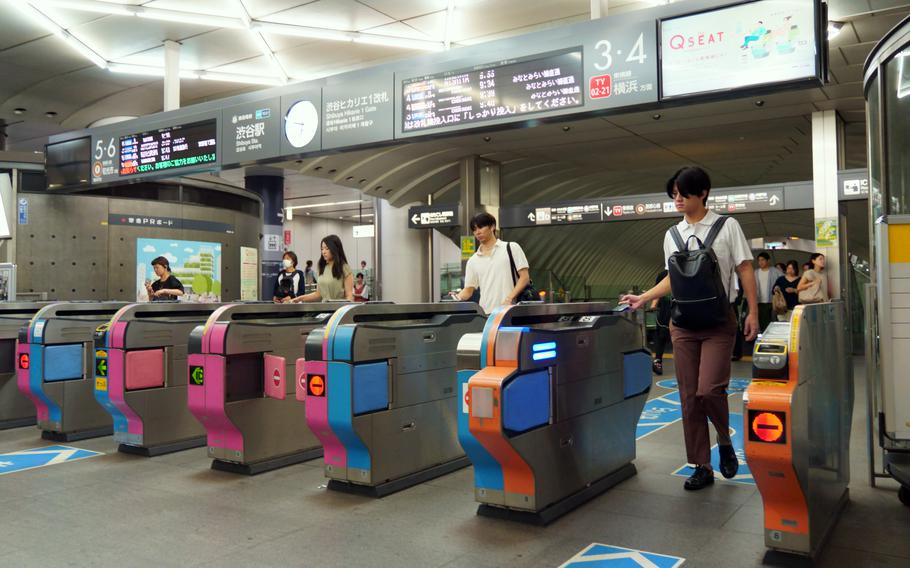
208 20
288 215
324 204
236 78
90 6
301 31
399 42
834 29
148 70
49 24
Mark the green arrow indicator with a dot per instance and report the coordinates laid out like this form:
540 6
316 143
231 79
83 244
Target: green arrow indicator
101 367
197 375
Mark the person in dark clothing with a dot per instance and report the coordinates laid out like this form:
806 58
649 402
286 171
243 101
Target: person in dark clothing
167 287
787 285
290 281
662 331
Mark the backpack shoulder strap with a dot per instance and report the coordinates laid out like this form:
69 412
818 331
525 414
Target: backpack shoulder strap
677 238
512 264
715 230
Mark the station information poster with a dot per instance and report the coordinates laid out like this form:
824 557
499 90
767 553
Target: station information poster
196 264
249 274
757 43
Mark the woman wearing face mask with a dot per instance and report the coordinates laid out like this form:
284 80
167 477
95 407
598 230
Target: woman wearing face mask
335 281
289 283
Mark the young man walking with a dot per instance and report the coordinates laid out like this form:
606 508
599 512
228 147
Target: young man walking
490 268
765 277
702 354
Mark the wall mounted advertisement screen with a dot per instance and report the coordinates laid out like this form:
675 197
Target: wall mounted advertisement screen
179 146
545 83
757 43
196 264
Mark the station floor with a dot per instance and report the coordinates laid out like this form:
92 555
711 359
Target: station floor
173 510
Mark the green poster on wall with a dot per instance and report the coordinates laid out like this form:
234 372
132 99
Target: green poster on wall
826 232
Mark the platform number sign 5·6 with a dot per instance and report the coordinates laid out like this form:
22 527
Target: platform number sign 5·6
604 49
100 149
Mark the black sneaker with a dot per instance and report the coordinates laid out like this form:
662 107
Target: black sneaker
658 367
729 465
701 478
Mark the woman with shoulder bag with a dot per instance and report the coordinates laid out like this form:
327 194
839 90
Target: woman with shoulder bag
813 287
785 295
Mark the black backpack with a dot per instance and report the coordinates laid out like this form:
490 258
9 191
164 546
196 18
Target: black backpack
699 298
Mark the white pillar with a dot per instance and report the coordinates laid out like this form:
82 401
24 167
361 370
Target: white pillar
599 8
403 256
827 155
171 75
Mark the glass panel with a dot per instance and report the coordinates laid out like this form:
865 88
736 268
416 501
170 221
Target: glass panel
873 113
897 103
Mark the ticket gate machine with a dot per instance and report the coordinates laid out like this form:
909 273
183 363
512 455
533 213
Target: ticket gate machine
15 408
237 368
798 414
56 369
141 378
552 396
379 385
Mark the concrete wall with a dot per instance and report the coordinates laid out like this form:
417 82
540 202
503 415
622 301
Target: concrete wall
404 251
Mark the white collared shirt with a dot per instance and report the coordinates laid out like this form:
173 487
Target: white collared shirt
730 246
492 273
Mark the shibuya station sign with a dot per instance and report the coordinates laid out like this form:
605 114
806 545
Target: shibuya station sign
634 208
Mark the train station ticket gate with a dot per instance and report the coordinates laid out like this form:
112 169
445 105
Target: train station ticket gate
15 408
379 385
56 369
798 412
141 377
237 368
552 394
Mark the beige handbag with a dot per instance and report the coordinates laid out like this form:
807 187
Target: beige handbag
778 302
813 294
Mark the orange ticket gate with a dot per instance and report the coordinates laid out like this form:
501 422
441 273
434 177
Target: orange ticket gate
798 414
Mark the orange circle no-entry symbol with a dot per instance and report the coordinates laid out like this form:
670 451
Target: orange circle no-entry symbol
316 385
768 427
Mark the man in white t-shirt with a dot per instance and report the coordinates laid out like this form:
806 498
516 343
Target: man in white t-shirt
765 278
702 356
490 269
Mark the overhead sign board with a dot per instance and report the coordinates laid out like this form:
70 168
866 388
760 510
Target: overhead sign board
358 112
251 131
753 43
169 148
432 216
620 63
477 94
853 184
638 207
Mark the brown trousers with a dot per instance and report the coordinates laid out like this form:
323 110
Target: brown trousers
702 361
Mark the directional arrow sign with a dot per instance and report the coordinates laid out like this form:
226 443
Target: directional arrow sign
197 375
531 217
101 367
431 216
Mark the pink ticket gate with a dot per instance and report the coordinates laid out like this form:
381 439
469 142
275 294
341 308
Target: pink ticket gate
141 379
240 372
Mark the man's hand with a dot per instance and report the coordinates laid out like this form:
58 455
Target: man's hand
750 327
635 302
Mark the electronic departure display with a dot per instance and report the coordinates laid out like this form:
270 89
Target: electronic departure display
544 83
168 148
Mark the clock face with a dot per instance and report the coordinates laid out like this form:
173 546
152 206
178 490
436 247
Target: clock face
301 123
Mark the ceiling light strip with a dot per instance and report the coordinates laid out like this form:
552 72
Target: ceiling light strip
52 26
324 204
